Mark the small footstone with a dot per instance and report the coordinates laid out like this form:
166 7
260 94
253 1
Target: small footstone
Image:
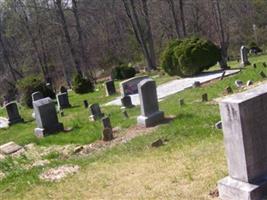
9 148
204 97
254 66
264 64
218 125
85 104
107 134
196 84
157 143
181 102
249 82
238 83
263 75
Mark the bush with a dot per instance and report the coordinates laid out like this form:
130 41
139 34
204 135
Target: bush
31 84
189 57
82 85
254 48
122 72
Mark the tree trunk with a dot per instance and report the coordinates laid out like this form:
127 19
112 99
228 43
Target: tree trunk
175 19
181 6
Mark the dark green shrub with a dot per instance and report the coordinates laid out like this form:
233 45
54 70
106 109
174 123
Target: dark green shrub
189 57
122 72
254 48
31 84
82 85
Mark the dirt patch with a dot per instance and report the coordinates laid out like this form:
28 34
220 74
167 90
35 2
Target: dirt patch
56 174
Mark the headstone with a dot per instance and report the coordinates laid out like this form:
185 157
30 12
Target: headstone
63 89
85 104
244 56
107 134
262 74
125 113
181 102
63 101
222 76
150 114
106 122
157 143
110 88
37 95
46 118
129 86
204 97
126 102
249 82
264 64
244 128
229 90
95 112
238 83
196 84
13 113
254 66
9 148
218 125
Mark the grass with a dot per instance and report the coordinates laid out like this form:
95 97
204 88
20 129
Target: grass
187 167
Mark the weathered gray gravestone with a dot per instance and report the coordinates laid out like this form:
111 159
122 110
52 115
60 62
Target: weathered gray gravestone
13 113
150 114
63 101
37 95
126 102
95 112
106 122
244 56
110 88
244 125
46 118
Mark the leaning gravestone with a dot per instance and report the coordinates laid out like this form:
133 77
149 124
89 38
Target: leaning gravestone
126 102
129 86
244 56
46 118
13 113
110 88
95 112
244 127
63 101
37 96
150 114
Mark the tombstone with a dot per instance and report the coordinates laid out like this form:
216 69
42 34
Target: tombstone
63 101
264 64
125 113
95 112
238 83
244 56
46 118
204 97
63 89
110 88
196 84
262 74
85 104
150 114
13 113
37 96
244 128
223 75
129 86
229 90
181 102
218 125
126 102
254 66
106 122
249 82
107 134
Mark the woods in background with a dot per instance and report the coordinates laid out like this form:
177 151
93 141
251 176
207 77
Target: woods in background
59 38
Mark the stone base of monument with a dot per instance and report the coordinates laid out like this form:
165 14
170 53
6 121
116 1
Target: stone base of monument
40 132
232 189
151 120
15 121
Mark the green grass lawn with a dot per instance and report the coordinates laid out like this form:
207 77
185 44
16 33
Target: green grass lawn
187 167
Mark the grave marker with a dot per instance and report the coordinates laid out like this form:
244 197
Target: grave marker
95 112
110 88
13 113
63 101
126 102
244 56
106 122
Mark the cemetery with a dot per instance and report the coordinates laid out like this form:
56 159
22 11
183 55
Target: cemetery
133 100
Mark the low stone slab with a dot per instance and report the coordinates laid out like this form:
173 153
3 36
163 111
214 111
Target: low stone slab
9 148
